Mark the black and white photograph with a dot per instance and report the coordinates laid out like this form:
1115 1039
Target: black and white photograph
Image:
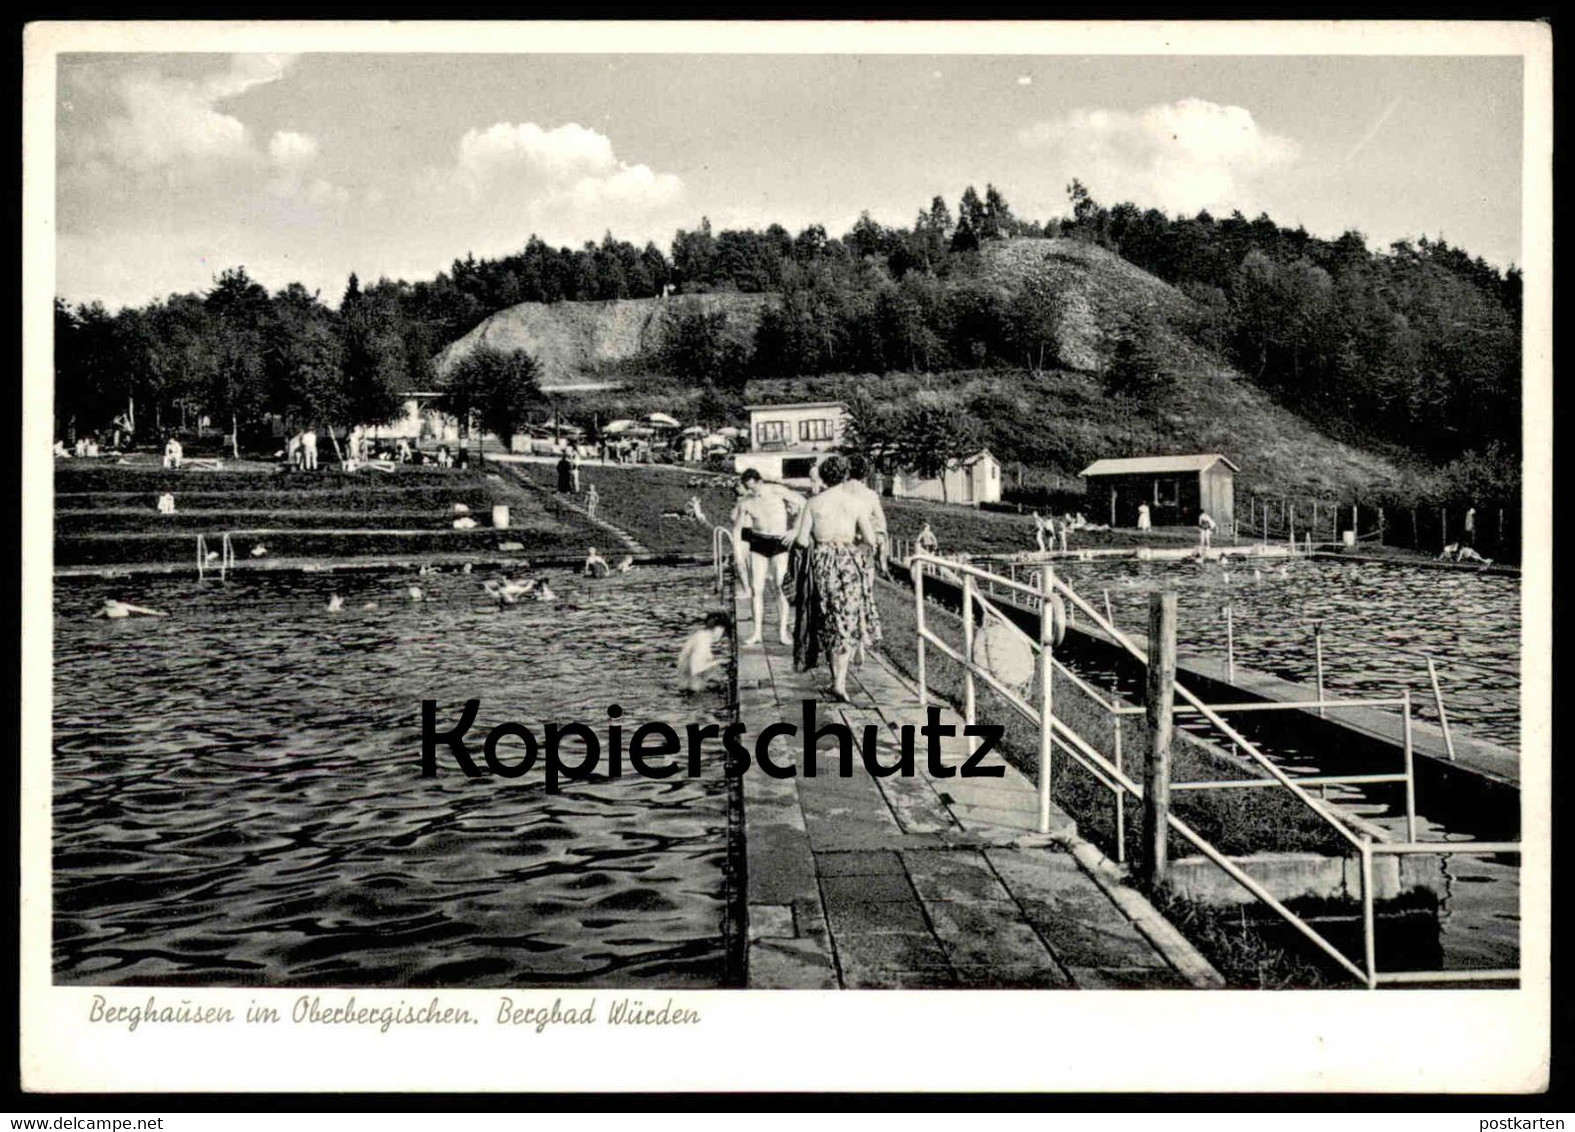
554 530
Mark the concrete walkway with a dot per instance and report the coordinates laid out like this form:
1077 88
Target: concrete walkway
867 882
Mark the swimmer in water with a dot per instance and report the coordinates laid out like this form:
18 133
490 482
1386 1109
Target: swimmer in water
625 564
595 565
416 594
541 591
507 591
697 658
370 605
335 603
119 610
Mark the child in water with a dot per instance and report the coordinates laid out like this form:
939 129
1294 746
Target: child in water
696 659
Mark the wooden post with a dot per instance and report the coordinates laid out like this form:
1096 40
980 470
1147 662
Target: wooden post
1356 522
1160 704
1046 690
1443 527
968 689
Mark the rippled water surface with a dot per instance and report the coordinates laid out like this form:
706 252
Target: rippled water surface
1380 623
238 798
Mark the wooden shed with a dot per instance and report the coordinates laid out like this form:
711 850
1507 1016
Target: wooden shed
1175 488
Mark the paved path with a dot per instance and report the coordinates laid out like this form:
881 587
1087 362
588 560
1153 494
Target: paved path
862 882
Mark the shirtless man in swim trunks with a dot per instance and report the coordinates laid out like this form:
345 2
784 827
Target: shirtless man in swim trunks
763 520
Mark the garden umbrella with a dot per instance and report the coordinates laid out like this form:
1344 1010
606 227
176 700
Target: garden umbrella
694 430
662 419
617 427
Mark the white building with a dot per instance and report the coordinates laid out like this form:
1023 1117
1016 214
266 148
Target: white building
973 481
785 441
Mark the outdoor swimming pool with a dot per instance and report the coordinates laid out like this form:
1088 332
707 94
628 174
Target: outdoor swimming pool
238 800
1380 622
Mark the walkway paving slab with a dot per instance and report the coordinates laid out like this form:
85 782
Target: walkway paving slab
866 882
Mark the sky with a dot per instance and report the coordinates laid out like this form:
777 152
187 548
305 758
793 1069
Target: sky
171 168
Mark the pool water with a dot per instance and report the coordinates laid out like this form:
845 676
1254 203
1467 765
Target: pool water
238 800
1380 622
1410 608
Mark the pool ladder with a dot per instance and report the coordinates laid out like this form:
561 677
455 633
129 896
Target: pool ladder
226 556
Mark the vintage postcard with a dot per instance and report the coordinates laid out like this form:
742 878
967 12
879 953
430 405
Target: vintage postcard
712 556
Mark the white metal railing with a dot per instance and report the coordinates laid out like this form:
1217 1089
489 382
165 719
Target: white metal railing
226 557
1113 777
721 555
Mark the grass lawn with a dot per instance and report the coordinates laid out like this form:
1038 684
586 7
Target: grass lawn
640 500
107 514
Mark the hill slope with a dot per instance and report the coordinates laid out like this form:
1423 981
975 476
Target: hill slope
1053 423
571 342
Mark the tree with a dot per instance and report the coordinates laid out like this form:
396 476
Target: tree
1034 317
697 343
1137 367
494 388
374 361
303 359
242 315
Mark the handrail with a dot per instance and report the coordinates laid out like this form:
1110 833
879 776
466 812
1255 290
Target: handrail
1113 777
1184 693
721 554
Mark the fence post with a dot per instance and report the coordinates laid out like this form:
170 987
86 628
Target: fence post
1230 645
1046 686
1121 796
1318 656
1369 944
1443 527
1438 702
1160 704
967 612
1410 775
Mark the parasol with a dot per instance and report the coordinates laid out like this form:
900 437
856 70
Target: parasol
662 419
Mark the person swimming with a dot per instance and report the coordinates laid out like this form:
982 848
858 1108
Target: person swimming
697 659
119 610
595 565
508 591
625 564
335 603
541 591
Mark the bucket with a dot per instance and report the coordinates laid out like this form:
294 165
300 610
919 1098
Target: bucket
500 516
1349 537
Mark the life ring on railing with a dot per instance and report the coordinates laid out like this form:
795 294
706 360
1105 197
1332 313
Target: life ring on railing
1058 618
1004 651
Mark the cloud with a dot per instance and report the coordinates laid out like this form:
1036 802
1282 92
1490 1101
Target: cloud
293 156
1182 156
525 160
1025 80
290 149
155 123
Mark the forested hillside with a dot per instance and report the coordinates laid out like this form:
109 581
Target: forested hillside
1412 350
